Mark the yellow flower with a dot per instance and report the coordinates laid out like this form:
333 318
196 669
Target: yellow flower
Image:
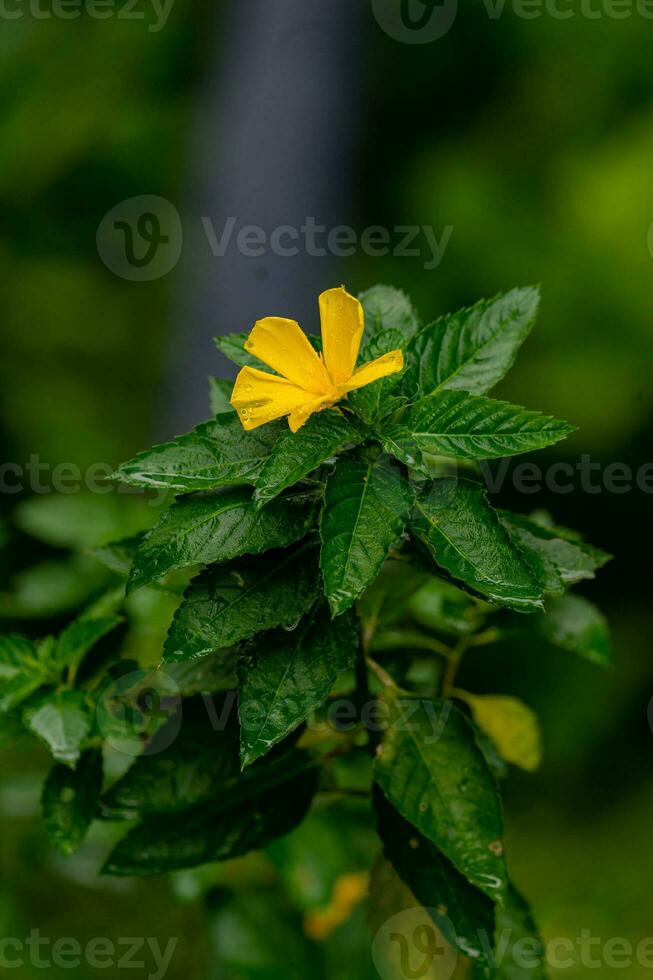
306 381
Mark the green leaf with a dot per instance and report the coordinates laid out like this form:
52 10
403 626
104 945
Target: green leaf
23 669
297 454
575 624
219 394
390 322
408 942
119 555
440 606
215 454
389 317
196 836
519 952
232 345
229 603
84 520
201 764
512 726
435 883
364 514
70 799
558 559
52 588
431 769
289 675
195 767
471 350
80 636
385 601
464 536
220 526
16 650
62 720
456 424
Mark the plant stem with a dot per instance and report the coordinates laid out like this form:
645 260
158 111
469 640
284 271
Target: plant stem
453 663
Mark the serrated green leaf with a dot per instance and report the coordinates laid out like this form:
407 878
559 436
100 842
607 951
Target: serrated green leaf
16 650
365 508
217 527
512 726
465 537
196 836
23 669
455 424
70 799
19 688
296 455
232 345
79 637
472 349
557 559
288 675
435 883
62 720
390 322
575 624
215 454
431 769
229 603
219 394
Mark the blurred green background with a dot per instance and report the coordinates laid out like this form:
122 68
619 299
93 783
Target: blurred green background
533 139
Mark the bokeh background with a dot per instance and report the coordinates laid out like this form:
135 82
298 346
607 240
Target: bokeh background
533 141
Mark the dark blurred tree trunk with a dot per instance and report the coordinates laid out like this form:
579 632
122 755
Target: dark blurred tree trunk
275 144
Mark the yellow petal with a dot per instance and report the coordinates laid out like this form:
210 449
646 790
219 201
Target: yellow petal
381 367
259 397
283 346
299 417
342 320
